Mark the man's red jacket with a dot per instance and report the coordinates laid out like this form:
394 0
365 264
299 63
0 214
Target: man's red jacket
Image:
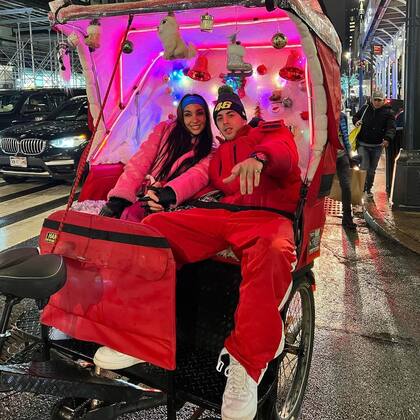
280 179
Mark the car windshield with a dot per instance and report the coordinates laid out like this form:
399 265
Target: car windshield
8 102
71 110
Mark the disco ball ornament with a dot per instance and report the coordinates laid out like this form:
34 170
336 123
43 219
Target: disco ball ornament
279 40
262 69
128 47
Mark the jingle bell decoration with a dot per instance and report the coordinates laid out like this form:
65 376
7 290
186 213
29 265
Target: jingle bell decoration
294 69
279 40
127 47
200 71
206 23
262 69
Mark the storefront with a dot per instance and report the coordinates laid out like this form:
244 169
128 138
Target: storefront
383 46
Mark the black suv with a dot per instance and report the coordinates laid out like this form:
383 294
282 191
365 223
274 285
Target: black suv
20 106
46 149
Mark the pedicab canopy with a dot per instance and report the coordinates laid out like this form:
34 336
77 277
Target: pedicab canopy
120 288
294 53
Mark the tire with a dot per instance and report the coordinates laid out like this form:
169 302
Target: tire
13 179
295 361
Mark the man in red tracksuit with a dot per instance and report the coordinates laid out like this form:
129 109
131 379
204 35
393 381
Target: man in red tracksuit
257 170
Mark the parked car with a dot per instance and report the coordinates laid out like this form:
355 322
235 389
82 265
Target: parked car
49 148
21 106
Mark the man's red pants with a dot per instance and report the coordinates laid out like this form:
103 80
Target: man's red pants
264 242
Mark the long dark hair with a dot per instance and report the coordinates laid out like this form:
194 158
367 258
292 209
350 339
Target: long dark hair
179 143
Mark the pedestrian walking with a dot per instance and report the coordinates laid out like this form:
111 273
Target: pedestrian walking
344 172
377 122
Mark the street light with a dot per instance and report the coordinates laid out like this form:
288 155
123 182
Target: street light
347 55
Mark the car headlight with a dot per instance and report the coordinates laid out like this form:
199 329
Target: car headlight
68 142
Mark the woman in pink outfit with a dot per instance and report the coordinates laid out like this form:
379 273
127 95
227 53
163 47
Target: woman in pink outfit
169 167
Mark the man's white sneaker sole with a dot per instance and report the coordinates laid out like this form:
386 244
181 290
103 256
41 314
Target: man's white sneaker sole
123 361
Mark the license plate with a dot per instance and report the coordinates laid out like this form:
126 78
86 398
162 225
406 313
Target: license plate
21 162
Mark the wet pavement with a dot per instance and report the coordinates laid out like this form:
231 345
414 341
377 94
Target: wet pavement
367 340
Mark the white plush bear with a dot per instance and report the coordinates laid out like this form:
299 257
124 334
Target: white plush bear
173 44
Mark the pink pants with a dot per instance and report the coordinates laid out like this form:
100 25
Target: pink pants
264 243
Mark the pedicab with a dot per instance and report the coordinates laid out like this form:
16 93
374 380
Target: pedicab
286 66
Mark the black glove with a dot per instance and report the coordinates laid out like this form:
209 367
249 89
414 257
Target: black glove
114 207
166 196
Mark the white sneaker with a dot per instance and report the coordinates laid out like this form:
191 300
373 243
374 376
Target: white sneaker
240 396
56 335
109 359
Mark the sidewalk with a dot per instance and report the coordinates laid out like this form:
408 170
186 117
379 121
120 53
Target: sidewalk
400 226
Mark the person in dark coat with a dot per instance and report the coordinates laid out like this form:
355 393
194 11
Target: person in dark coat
378 130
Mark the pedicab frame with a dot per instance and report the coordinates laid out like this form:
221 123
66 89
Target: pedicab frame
64 367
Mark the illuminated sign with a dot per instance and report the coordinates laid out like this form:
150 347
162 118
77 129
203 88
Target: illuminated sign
377 49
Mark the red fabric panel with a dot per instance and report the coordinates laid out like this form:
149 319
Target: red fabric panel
332 85
117 294
100 180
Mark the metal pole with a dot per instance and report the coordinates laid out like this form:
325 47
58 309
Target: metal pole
32 49
412 81
405 192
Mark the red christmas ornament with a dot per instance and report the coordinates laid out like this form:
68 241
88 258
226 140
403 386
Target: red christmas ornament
262 69
294 69
200 70
304 115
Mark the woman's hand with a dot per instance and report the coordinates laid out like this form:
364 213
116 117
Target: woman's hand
249 172
153 204
358 123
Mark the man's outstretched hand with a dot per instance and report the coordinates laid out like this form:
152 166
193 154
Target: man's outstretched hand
249 172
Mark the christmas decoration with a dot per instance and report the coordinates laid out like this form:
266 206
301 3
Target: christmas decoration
302 86
206 23
257 118
93 37
200 70
262 69
64 60
304 115
237 82
73 40
276 95
173 44
127 47
235 56
287 102
294 68
279 40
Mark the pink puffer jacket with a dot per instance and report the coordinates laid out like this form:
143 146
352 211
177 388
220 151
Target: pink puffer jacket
140 164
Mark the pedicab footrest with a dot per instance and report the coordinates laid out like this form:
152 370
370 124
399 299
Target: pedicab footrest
57 377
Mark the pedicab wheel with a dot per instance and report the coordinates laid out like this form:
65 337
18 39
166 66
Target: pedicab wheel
70 409
295 361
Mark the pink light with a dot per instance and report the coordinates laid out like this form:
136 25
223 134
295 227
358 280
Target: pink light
251 47
309 96
220 25
140 85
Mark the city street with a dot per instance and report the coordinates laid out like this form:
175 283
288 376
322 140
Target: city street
367 340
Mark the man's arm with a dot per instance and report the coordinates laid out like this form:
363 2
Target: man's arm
358 114
390 127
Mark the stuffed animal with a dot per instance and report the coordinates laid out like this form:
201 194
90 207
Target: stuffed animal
93 35
173 44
